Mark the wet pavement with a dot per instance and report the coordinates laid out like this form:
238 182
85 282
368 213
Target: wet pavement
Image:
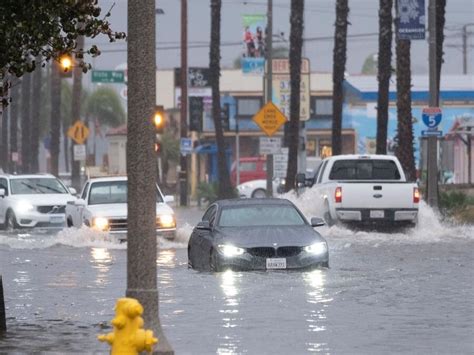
384 293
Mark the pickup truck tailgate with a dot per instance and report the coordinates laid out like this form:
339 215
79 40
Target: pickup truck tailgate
377 195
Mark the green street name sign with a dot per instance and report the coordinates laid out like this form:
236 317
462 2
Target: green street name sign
108 76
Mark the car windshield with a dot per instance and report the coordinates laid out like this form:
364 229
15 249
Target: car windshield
260 215
105 192
33 186
364 170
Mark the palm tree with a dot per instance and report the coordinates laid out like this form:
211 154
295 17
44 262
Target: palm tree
384 73
14 113
404 149
296 45
440 21
339 66
104 106
35 120
55 121
225 188
26 123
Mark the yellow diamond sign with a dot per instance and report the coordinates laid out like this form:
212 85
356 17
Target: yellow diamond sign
269 119
78 132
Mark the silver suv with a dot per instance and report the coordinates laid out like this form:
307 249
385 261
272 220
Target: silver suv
33 201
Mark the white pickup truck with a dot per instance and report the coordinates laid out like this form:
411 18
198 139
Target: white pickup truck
102 206
366 189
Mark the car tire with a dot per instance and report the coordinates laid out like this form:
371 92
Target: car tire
327 216
190 264
10 221
259 193
213 263
69 222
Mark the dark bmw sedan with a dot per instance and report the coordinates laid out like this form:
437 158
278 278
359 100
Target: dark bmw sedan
256 234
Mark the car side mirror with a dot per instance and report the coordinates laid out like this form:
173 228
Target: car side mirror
2 193
168 198
204 225
72 190
317 222
80 202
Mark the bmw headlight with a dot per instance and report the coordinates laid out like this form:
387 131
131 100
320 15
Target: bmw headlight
24 206
316 248
167 221
230 251
100 223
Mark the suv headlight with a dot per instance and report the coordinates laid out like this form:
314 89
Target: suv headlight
316 248
230 250
100 223
24 206
166 221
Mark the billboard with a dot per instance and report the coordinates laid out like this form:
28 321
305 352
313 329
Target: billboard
411 19
253 51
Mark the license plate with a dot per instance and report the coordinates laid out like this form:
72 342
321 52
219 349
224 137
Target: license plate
276 263
56 219
377 214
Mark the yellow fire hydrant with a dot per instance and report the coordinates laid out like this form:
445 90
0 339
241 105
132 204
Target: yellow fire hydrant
128 336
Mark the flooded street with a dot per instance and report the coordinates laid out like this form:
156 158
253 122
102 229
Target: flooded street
384 293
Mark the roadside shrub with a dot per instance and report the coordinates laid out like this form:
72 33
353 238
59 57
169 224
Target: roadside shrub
453 201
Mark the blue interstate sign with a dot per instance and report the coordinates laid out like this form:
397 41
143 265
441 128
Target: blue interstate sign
431 116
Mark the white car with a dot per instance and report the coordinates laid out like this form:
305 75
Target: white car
258 188
28 201
102 206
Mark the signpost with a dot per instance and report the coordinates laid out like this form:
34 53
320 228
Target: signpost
78 132
280 163
79 152
269 145
431 117
186 146
269 119
108 76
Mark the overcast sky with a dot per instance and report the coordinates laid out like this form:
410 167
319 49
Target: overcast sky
319 22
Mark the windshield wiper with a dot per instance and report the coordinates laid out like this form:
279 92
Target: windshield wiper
31 187
50 188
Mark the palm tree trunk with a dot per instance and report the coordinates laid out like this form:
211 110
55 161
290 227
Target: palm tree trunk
384 73
26 123
339 66
35 121
76 115
225 187
4 111
296 46
404 149
440 21
55 116
14 111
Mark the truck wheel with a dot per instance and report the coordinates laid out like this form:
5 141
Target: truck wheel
327 217
259 193
213 263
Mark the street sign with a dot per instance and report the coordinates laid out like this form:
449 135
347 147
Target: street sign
78 132
269 145
79 152
280 165
186 146
432 133
269 119
108 76
431 116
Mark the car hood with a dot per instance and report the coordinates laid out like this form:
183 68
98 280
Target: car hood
249 237
44 199
120 209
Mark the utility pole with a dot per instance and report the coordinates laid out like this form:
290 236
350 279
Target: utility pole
464 47
269 79
432 154
183 173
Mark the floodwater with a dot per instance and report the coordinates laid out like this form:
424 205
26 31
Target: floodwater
409 293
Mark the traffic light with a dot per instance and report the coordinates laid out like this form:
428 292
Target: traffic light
159 119
225 117
65 62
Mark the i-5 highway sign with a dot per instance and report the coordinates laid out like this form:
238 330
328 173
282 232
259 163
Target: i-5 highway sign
431 116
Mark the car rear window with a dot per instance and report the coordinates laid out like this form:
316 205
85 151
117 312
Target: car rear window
260 215
373 169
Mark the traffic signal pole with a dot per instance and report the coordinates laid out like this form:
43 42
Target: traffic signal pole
432 154
183 173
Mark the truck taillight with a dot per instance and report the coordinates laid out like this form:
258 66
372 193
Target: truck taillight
416 195
338 194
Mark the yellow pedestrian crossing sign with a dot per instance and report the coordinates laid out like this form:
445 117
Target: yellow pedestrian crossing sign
269 119
78 132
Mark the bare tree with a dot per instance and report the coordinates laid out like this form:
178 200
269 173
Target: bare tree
339 67
384 73
55 116
225 188
296 46
35 120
